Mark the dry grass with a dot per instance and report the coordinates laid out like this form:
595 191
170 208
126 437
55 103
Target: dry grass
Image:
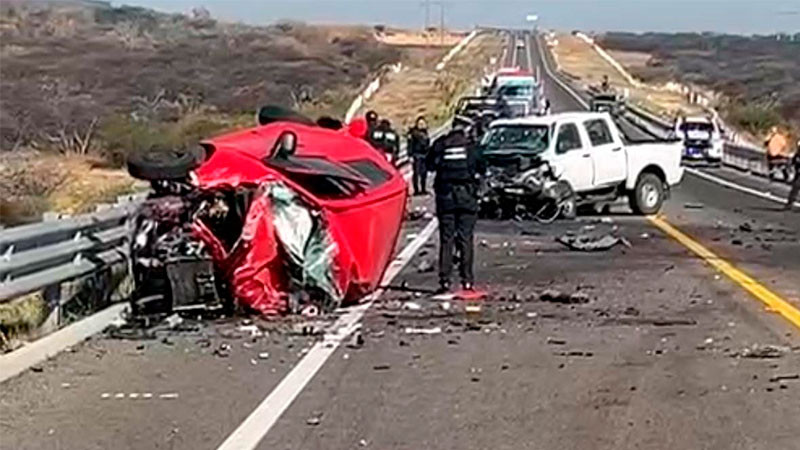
421 90
19 317
71 185
579 60
416 38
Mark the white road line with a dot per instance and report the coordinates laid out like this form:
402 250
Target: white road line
738 187
16 362
263 418
514 52
555 78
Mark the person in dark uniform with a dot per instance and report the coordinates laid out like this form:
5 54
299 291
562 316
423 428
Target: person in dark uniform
387 140
372 135
796 183
457 165
419 145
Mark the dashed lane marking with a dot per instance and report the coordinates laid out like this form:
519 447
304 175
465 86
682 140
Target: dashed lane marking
751 285
263 418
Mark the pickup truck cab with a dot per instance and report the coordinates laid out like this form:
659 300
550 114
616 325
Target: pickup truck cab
586 150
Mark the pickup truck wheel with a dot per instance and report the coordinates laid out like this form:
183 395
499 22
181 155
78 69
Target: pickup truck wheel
648 195
569 208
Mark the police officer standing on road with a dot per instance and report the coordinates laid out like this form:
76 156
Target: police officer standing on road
387 140
796 183
419 145
372 126
457 165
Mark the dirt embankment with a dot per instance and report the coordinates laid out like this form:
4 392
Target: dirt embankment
419 89
753 81
406 38
84 83
579 60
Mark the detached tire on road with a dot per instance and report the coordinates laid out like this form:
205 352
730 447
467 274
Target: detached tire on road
648 194
160 164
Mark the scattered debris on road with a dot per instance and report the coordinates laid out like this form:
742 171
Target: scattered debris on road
588 243
780 378
554 296
315 419
434 330
425 266
694 205
758 351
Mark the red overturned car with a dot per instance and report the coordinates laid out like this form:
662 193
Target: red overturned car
278 218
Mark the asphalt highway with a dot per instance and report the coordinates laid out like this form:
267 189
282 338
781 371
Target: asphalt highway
644 346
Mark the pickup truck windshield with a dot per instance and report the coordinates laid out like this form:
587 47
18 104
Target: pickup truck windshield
527 138
696 126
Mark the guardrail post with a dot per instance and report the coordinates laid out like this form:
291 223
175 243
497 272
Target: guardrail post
52 296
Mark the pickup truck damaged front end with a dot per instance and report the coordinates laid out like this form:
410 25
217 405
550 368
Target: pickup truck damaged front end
523 187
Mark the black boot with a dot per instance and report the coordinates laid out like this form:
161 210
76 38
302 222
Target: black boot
444 287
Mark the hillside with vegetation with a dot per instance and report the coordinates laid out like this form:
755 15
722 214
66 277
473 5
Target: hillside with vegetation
758 76
84 83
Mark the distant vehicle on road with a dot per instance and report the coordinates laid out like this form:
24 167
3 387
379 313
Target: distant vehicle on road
520 43
607 101
519 88
702 138
584 149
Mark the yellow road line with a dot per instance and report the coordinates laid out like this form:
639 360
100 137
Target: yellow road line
758 290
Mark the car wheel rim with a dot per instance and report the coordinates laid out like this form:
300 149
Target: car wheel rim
649 195
567 208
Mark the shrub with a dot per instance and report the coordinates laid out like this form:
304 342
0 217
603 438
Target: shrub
755 119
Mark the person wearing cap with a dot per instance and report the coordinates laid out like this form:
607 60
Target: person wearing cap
419 144
457 164
796 182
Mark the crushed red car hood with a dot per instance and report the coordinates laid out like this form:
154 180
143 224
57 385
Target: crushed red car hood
361 227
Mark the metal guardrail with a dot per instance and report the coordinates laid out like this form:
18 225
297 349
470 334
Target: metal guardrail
46 254
43 255
741 157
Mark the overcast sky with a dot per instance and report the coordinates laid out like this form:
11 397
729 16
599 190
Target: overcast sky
734 16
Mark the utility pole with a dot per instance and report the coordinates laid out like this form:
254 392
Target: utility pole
441 20
441 5
427 5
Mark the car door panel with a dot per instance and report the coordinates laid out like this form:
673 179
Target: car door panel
608 155
573 160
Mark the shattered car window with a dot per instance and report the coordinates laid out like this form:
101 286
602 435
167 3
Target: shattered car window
321 176
532 138
370 171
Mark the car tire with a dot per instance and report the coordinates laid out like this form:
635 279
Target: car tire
155 165
569 208
648 194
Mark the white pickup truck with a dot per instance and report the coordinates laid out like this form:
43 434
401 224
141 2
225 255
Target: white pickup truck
586 150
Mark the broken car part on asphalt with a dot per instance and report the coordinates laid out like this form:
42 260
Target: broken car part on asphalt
588 243
278 218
